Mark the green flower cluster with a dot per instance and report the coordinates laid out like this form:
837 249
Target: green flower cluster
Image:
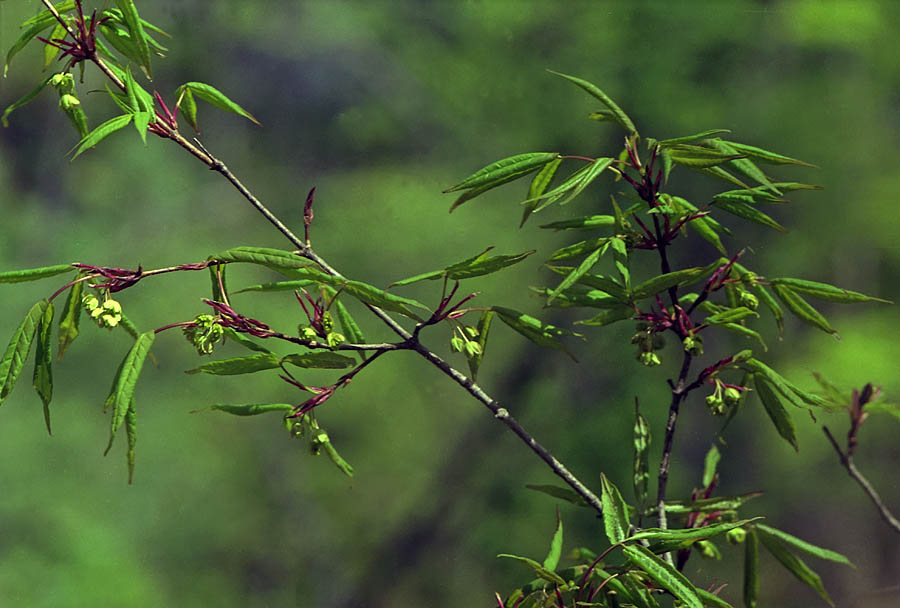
204 333
106 314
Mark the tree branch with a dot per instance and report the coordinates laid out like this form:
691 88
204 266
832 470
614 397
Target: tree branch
847 462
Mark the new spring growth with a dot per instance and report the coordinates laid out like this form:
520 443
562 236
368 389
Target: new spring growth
648 341
693 344
321 323
464 341
724 397
203 333
736 536
106 314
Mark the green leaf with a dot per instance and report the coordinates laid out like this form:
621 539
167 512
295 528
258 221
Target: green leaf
121 396
620 254
705 505
188 107
101 132
665 575
617 113
42 380
349 328
251 409
238 365
33 274
751 569
720 173
641 468
745 331
573 276
744 166
548 198
60 7
678 278
794 565
131 435
730 315
710 599
583 223
542 334
136 29
579 295
336 458
555 552
71 315
517 166
713 456
666 143
214 97
773 402
703 227
578 250
607 317
540 570
669 540
772 304
33 29
823 291
560 492
766 156
276 259
804 546
50 51
24 100
19 347
591 173
476 192
697 157
615 511
604 283
749 213
481 265
245 342
801 309
484 328
538 186
319 360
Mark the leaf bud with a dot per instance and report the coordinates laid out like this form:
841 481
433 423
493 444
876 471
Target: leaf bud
736 536
749 300
708 549
649 359
693 345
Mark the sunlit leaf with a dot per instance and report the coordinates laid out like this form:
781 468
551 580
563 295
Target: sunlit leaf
573 276
214 97
774 404
665 575
772 304
136 29
801 309
766 156
582 223
641 469
744 166
517 165
669 540
42 379
678 278
705 505
749 213
251 409
542 334
276 259
538 186
555 552
710 462
804 546
823 291
238 365
594 91
33 274
71 315
101 132
121 396
349 327
607 317
794 565
483 328
19 347
731 315
664 143
615 511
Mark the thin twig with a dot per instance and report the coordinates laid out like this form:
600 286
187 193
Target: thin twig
847 462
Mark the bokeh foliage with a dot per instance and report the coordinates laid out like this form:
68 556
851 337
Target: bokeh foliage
381 105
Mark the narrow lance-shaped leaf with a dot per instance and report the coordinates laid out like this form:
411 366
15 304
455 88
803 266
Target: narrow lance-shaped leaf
583 223
544 573
32 30
188 107
251 409
573 276
50 51
542 334
751 569
617 113
548 198
665 575
620 253
744 165
484 266
804 546
731 315
607 317
824 291
69 320
349 327
560 492
641 457
593 170
579 249
238 365
794 565
749 213
772 304
711 599
24 100
664 143
42 379
680 278
615 511
102 132
802 309
214 97
518 165
670 540
555 551
131 435
318 360
773 402
484 328
705 505
19 347
136 29
123 392
245 342
276 259
710 462
538 186
766 156
47 16
33 274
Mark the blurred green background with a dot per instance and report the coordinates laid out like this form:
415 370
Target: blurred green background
381 105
